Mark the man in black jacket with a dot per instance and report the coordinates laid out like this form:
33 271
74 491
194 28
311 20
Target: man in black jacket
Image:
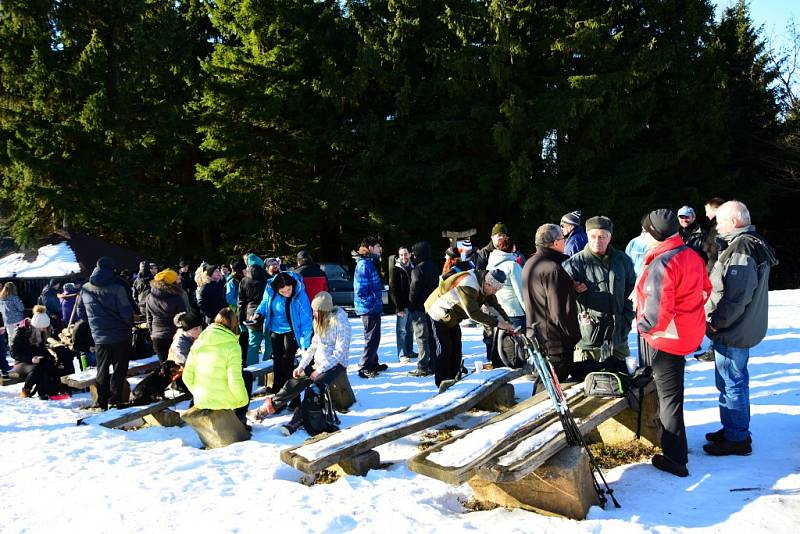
251 291
399 289
424 280
212 295
104 304
691 231
550 298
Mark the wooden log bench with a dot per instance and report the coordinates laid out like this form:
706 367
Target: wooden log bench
520 458
352 448
119 417
261 369
87 379
157 413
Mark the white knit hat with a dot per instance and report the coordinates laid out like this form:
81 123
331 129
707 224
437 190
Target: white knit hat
40 320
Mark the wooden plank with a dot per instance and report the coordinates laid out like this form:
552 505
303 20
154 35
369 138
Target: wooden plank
541 413
118 417
261 368
329 449
88 377
590 413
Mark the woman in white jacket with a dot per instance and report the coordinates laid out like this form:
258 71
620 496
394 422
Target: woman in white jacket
323 361
510 296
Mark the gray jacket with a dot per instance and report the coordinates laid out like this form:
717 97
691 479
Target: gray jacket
611 281
738 307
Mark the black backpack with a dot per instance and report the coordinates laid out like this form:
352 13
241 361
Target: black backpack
317 409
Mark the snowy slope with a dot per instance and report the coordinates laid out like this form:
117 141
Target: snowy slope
58 477
52 261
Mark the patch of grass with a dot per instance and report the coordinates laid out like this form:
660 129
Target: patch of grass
438 435
323 477
610 456
474 505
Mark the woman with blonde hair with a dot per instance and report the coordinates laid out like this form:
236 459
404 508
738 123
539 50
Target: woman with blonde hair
323 361
213 370
11 308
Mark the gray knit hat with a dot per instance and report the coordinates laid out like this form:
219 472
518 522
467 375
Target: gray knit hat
496 278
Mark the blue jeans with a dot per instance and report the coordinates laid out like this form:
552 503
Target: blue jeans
405 335
733 383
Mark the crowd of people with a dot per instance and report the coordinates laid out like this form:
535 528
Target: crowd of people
675 283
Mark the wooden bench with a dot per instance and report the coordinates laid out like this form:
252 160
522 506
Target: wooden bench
347 445
499 457
119 417
87 378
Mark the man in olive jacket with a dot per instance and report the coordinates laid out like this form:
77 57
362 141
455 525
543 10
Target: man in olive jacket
604 280
550 298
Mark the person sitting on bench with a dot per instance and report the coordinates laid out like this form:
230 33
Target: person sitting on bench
213 370
38 365
328 352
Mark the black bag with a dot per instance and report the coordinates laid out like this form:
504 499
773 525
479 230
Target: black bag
317 409
506 353
606 384
79 336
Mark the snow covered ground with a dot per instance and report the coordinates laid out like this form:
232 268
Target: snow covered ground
57 477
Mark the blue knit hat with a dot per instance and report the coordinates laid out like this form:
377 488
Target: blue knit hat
252 259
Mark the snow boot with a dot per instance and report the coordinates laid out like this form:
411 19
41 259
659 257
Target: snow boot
665 464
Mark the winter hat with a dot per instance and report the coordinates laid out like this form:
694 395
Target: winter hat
168 276
547 234
272 261
322 302
303 257
600 222
466 247
106 263
573 218
252 259
70 288
685 211
188 320
40 319
496 278
210 270
661 224
499 228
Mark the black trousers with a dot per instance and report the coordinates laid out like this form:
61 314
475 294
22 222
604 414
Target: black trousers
241 412
372 340
110 387
448 351
668 376
284 349
294 387
161 346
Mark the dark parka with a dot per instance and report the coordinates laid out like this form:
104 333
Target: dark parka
400 286
694 237
162 304
738 307
550 300
610 281
424 278
251 291
21 347
212 299
104 304
141 287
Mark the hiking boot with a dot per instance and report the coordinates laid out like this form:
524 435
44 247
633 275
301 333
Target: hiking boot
728 448
665 464
266 409
25 393
719 435
707 356
420 372
367 373
381 367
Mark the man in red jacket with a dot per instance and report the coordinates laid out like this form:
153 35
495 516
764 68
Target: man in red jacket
670 298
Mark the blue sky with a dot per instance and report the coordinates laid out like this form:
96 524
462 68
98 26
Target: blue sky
772 15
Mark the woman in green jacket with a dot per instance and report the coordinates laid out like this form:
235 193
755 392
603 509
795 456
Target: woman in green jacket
213 371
